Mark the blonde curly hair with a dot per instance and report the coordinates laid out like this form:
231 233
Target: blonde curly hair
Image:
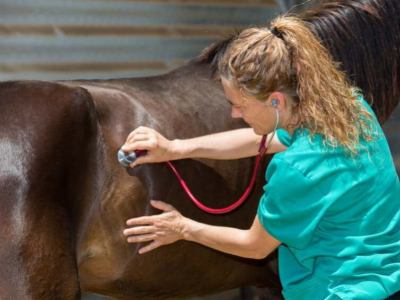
291 60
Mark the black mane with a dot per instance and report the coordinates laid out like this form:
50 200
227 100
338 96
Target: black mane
363 35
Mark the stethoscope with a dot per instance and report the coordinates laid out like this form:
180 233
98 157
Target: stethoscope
127 158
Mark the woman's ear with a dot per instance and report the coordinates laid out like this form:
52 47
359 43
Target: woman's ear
277 100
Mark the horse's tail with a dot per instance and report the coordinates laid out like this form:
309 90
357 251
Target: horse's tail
365 36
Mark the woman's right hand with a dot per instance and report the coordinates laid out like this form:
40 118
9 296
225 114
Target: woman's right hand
159 149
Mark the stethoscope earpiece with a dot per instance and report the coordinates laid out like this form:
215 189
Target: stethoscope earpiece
275 102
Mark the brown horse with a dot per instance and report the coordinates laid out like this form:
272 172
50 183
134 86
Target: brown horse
65 198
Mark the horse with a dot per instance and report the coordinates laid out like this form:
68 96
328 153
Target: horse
65 198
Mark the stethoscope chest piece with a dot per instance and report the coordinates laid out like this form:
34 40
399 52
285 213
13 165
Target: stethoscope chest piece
126 158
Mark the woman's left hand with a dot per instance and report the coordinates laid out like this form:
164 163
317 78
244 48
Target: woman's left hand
162 229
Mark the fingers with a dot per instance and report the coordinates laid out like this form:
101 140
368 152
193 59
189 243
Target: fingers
159 149
139 230
149 220
143 234
163 229
140 221
139 145
137 138
139 130
139 134
141 238
150 247
145 159
162 205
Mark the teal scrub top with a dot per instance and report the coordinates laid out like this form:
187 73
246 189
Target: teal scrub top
338 218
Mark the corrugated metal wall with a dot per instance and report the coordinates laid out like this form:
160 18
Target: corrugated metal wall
68 39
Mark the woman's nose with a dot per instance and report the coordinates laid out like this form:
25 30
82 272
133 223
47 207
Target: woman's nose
236 113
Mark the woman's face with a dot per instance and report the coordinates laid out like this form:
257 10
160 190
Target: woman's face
260 116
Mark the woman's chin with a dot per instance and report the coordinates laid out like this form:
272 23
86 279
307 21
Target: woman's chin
259 132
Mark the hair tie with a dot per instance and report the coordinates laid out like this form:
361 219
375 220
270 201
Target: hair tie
276 33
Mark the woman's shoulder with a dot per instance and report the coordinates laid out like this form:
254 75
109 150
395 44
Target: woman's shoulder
305 153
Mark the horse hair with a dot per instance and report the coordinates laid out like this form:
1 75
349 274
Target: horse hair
364 35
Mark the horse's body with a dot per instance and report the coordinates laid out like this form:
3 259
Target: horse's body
65 198
64 183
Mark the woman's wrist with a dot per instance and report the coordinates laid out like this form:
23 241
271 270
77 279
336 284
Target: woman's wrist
176 149
180 149
187 229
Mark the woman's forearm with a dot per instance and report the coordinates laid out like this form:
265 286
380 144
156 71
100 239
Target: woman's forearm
233 144
225 239
171 226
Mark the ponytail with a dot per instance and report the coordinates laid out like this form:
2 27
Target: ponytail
288 58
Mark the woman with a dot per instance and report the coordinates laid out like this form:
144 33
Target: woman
332 202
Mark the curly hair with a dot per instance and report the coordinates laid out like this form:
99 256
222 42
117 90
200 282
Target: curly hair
292 61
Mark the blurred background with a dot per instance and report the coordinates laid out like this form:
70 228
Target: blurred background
85 39
101 39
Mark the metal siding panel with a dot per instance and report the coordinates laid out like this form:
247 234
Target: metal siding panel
132 31
41 49
66 12
35 32
248 3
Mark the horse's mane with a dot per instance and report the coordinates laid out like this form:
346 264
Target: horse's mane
364 35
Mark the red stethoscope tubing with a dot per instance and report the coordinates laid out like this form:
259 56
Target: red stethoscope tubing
261 152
